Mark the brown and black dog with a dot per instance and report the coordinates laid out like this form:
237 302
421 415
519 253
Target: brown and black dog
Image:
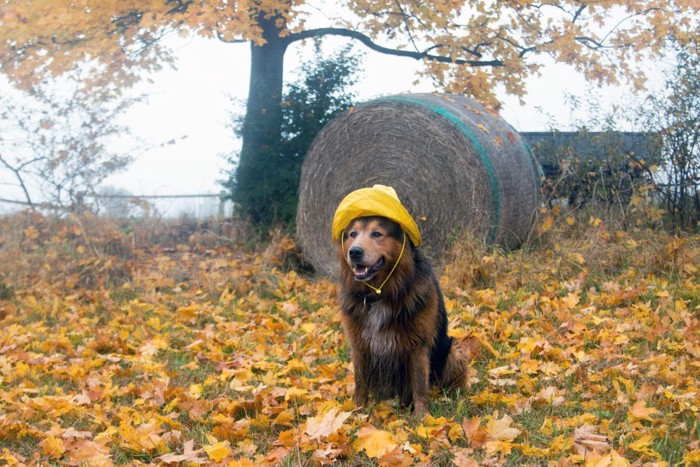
398 337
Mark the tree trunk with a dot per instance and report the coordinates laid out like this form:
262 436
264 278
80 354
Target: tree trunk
261 132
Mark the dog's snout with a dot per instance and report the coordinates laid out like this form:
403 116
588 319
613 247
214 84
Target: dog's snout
356 252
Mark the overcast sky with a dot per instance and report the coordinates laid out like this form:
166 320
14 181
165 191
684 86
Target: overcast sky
195 101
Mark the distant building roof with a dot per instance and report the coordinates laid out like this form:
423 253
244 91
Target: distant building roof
551 146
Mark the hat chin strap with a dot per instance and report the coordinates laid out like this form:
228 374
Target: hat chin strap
377 290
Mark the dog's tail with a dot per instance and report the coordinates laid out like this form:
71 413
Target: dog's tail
455 374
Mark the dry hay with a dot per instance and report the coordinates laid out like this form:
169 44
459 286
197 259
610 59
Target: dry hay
453 164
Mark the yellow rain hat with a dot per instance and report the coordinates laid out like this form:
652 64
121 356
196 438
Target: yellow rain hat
380 200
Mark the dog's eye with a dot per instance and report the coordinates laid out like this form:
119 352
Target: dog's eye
376 234
352 234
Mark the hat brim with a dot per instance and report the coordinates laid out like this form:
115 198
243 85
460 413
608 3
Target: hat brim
374 202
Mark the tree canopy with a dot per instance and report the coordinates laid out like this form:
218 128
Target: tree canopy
492 42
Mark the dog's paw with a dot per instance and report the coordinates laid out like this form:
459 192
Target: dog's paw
359 400
420 409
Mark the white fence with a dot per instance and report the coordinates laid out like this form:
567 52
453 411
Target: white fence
198 206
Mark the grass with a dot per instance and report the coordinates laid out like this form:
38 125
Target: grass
218 350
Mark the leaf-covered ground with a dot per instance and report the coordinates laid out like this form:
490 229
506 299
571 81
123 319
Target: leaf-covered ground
585 349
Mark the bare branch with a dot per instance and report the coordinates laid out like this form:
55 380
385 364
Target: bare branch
368 42
18 175
229 41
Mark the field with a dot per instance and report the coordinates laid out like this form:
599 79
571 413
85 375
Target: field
146 344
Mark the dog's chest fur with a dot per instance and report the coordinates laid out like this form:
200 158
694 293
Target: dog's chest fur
377 333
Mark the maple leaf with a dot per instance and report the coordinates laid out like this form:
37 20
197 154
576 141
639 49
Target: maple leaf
494 436
549 395
611 459
640 411
52 446
643 445
189 455
375 443
500 433
298 394
476 436
217 451
277 455
585 440
145 438
152 347
463 458
285 418
328 454
398 457
692 457
87 452
325 424
11 458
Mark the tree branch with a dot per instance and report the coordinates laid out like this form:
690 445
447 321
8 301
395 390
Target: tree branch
369 43
17 171
229 41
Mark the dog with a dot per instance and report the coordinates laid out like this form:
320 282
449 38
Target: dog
392 311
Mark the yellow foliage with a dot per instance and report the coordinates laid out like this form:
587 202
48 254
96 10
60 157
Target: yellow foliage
492 42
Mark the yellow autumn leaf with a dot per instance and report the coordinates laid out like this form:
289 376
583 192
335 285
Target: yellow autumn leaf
195 390
218 451
500 433
294 393
547 224
188 312
376 443
87 452
586 439
325 424
285 418
144 438
613 459
31 232
644 445
692 457
52 447
501 429
151 347
640 411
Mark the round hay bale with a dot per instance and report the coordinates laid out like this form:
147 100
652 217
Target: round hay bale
453 164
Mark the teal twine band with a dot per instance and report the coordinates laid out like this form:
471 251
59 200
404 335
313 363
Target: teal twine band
476 144
534 165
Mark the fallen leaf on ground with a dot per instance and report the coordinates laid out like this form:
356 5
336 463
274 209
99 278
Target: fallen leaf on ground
375 443
325 424
640 411
586 440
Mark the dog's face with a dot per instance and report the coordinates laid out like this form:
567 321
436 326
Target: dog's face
370 244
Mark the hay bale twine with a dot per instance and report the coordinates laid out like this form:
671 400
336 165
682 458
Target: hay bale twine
453 164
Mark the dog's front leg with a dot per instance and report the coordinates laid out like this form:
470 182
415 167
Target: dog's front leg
359 364
418 372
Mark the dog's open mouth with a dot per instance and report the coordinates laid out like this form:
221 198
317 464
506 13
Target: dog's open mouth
362 272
